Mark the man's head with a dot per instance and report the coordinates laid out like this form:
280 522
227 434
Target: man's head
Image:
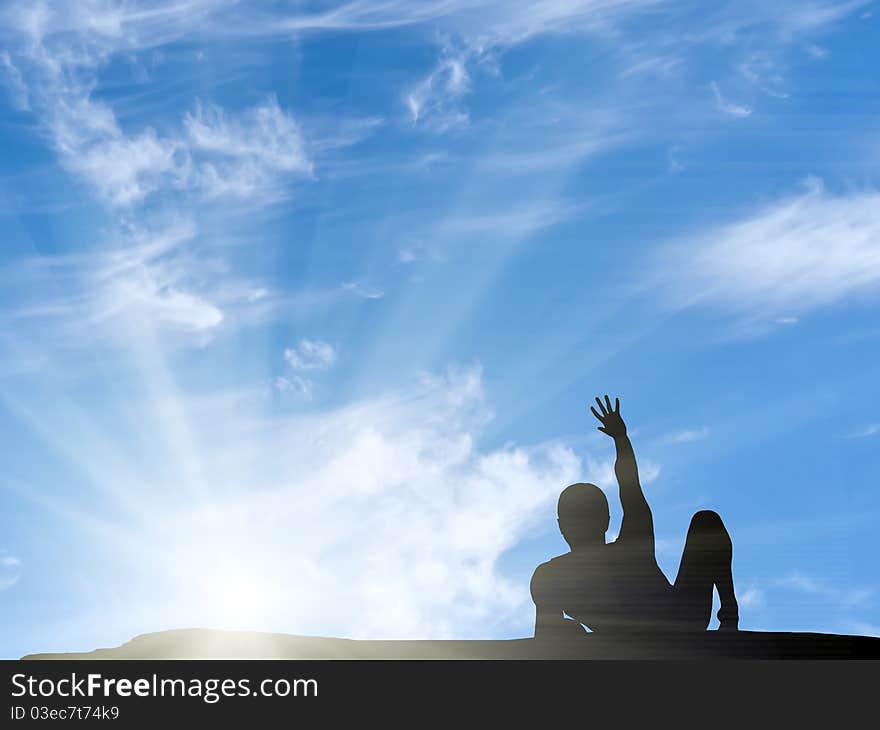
583 515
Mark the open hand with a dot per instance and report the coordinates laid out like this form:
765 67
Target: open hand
610 418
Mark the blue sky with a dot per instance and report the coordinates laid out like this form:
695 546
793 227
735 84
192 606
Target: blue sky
303 305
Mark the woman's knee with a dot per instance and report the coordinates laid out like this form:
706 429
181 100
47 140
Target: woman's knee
707 532
707 518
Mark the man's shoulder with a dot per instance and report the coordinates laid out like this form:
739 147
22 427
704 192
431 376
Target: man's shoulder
545 572
554 563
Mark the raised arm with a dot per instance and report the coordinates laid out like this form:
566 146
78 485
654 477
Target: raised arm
638 524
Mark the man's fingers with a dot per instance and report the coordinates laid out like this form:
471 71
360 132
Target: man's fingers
601 406
617 405
595 413
603 430
608 403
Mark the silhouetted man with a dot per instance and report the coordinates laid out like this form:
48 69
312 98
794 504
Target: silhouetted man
618 587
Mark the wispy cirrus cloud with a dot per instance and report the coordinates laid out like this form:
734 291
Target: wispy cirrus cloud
59 49
310 355
688 436
295 385
485 22
147 276
841 595
733 110
208 154
751 597
433 101
557 138
600 471
487 29
793 256
10 570
244 154
363 289
872 429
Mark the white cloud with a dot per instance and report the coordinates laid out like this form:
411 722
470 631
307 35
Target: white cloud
831 593
166 305
600 471
150 277
307 356
54 61
10 570
54 67
208 153
800 582
810 16
734 110
751 597
432 102
486 29
872 429
689 436
310 355
56 53
295 385
123 170
243 154
385 518
407 254
484 22
793 256
762 71
366 291
15 82
648 471
659 66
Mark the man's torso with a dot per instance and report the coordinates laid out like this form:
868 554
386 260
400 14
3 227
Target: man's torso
612 588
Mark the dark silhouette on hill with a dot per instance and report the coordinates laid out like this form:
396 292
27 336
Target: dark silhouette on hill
615 589
618 588
208 644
